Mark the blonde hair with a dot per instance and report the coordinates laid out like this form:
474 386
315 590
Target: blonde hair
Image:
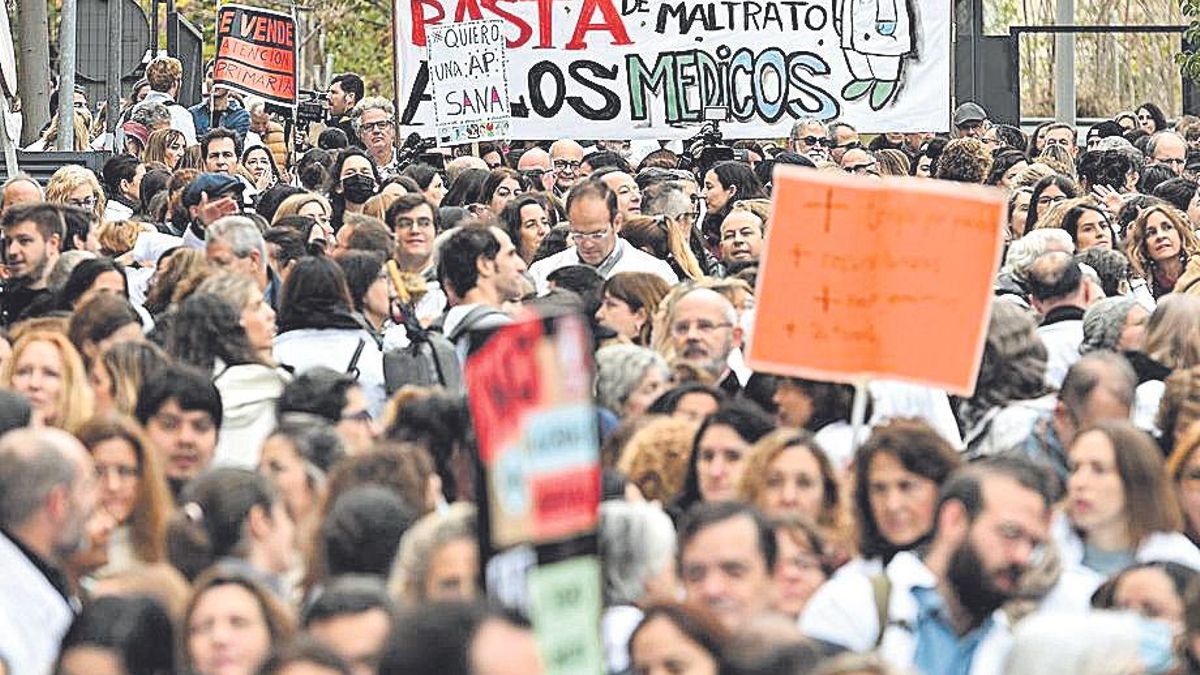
82 140
378 204
117 237
1135 238
70 178
74 404
1030 175
292 205
655 458
156 145
410 569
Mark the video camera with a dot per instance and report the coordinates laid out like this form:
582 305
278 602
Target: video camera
312 107
416 149
708 146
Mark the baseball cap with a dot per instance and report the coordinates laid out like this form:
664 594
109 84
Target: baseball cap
215 184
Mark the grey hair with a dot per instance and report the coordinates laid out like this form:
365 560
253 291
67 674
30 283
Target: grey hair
619 370
66 263
1096 643
637 542
242 235
1152 144
255 104
804 122
831 130
32 463
1104 321
406 584
371 103
150 113
664 198
236 289
1023 251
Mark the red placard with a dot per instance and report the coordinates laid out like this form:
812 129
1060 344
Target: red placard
256 53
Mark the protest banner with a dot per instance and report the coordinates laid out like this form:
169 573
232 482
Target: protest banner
649 68
468 81
256 53
886 278
529 388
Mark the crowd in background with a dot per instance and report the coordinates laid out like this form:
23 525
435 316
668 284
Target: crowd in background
238 439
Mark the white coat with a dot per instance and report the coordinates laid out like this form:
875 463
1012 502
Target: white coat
34 616
1062 340
860 21
843 612
248 396
334 348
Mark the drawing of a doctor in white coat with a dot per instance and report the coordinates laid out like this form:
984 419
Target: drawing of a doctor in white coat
875 37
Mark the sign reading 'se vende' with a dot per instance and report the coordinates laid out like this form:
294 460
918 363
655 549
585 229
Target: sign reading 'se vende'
256 53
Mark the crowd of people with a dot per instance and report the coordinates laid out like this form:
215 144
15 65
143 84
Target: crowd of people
238 440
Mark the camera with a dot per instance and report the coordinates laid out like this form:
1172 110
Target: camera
417 149
313 106
708 146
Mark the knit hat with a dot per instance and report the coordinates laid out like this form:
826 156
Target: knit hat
1103 322
619 371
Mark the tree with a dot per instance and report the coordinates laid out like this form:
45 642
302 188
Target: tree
33 68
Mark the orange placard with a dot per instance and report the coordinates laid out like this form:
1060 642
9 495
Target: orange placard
864 278
256 53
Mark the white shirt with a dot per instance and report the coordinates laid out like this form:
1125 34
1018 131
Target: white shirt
624 258
1062 340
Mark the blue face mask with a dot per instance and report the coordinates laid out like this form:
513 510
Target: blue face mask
1156 642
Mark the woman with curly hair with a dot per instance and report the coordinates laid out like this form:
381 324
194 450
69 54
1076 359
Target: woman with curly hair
966 160
1159 245
74 185
787 474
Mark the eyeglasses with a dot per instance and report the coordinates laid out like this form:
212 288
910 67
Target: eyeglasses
812 140
122 471
1045 200
1172 162
86 203
566 164
376 126
704 327
852 145
687 216
533 175
579 237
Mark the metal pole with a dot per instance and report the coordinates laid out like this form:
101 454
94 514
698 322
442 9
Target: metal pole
66 77
153 28
1064 63
115 57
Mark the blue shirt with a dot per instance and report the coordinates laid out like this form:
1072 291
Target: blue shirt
940 650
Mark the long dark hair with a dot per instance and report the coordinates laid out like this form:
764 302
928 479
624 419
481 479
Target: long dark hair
737 174
211 522
337 200
746 419
1156 114
315 291
1063 182
467 189
82 278
208 328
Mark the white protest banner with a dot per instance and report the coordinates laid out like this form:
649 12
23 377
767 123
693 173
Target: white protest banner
468 78
647 69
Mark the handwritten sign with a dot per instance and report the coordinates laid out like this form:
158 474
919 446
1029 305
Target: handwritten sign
876 278
529 391
468 76
647 69
566 615
256 53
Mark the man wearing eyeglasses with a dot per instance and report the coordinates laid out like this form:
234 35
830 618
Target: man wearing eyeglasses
860 163
705 334
841 138
565 157
1169 149
534 166
375 123
970 120
808 138
594 218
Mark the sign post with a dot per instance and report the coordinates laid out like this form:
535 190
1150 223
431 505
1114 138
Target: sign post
256 53
887 278
530 394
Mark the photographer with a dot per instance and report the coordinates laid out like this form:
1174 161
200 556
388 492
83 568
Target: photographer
345 91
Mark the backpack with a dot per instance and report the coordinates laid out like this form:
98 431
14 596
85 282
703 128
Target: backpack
428 360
